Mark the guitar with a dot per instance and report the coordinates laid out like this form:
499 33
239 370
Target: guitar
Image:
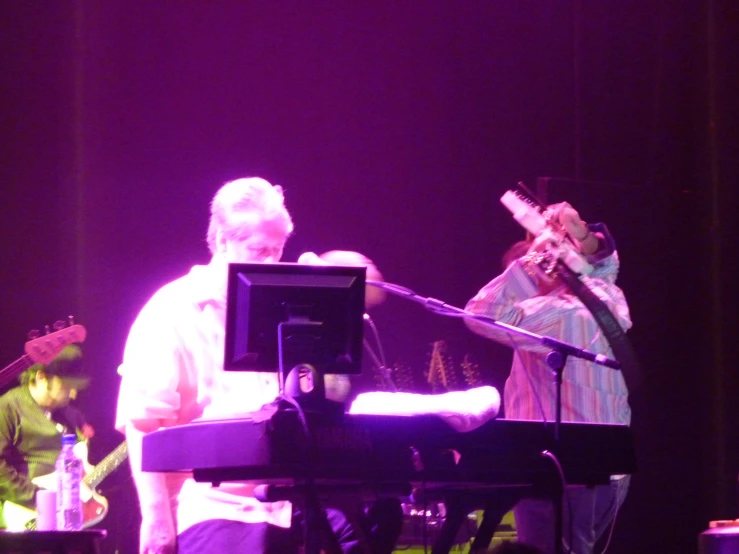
534 221
531 218
43 349
94 505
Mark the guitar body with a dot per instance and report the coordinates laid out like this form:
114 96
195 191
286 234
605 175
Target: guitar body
17 517
94 505
94 509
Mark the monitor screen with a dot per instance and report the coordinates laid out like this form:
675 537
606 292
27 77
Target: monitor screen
321 309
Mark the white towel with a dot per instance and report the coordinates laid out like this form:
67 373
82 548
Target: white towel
462 410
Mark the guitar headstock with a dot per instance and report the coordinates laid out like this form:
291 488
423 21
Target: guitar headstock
524 211
42 349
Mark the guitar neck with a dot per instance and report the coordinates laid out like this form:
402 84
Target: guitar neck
107 466
14 369
43 350
529 217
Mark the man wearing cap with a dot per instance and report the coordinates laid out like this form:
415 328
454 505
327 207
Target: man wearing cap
33 417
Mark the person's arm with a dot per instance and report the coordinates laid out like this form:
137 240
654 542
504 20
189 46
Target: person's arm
14 486
148 400
373 295
588 240
513 297
599 247
158 528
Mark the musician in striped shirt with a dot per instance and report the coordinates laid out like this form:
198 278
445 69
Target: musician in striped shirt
527 297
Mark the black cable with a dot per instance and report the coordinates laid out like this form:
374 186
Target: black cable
563 484
612 527
301 416
310 452
424 506
372 325
382 368
379 360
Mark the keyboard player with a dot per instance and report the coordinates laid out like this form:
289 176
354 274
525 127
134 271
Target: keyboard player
172 373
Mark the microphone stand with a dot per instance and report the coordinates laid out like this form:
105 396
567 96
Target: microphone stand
556 359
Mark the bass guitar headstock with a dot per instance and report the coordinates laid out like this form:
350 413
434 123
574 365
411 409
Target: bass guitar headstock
43 348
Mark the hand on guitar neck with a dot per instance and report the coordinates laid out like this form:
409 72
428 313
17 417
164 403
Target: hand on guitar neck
556 228
568 218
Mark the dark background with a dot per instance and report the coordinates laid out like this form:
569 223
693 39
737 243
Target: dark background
394 128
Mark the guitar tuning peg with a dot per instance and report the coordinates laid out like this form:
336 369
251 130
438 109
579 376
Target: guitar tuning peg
47 330
34 334
70 320
59 325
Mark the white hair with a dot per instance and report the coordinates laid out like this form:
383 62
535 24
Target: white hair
240 206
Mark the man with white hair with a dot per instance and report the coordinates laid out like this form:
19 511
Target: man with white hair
173 373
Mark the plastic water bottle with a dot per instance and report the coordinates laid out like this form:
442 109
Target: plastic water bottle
69 478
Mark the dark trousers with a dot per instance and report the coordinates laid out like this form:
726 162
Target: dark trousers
374 530
222 535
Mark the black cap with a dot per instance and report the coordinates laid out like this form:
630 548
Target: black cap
69 365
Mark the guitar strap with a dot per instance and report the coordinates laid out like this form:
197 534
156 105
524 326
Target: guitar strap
615 335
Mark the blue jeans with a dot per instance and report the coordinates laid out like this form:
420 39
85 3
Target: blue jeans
587 513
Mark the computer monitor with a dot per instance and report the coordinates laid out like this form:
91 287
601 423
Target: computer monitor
319 310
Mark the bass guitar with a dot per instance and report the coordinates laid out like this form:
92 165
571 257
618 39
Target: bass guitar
94 505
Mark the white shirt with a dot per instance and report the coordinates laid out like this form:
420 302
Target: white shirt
173 372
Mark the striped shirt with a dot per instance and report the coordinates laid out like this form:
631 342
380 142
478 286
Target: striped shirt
590 392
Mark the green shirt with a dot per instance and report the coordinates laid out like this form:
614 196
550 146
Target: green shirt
30 442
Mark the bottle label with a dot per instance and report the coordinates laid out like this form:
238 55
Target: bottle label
69 506
70 491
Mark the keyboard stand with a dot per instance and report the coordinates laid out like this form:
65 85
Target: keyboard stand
495 505
317 531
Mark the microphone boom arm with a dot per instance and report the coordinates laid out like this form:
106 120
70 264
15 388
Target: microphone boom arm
555 359
442 308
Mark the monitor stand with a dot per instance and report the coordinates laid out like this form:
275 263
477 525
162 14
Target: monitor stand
305 386
303 391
